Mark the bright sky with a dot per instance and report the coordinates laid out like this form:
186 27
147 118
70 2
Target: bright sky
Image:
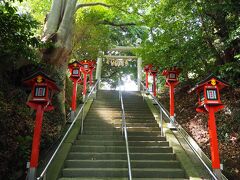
129 85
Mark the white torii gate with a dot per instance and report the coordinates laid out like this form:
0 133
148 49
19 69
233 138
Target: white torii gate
121 49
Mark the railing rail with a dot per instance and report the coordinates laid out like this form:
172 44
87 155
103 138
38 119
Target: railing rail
124 131
176 126
81 110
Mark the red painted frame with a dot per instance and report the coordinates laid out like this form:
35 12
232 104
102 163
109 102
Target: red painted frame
211 106
171 83
40 104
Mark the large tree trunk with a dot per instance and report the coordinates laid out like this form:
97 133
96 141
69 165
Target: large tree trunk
58 31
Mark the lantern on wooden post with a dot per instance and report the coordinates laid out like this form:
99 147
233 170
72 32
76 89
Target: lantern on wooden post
146 70
85 69
153 71
92 66
171 82
76 77
209 101
42 92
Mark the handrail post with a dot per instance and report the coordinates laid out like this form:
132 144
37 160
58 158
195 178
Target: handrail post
161 122
45 176
82 119
143 94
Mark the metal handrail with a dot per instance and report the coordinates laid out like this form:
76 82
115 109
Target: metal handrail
69 129
178 129
124 128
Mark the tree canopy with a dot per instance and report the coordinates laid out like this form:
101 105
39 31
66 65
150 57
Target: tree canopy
200 37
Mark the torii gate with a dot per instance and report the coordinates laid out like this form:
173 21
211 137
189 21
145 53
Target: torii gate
121 49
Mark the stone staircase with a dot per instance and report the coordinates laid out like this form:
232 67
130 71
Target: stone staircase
100 153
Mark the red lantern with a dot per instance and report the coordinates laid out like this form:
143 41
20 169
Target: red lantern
147 69
209 102
92 67
75 71
208 93
76 77
171 81
85 66
85 69
153 71
43 89
171 76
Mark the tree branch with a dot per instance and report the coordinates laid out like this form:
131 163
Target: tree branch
104 5
106 22
92 4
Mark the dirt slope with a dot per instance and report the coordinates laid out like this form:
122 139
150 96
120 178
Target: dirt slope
228 124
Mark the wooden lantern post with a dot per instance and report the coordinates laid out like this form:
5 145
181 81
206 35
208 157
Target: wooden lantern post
76 78
146 70
209 101
92 68
171 82
153 71
42 91
85 69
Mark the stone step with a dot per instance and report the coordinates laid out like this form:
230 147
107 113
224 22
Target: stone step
118 133
118 106
158 172
146 138
148 143
121 164
119 124
123 172
115 129
118 178
119 156
117 114
101 128
130 138
113 120
96 156
99 172
144 133
99 143
121 143
109 133
127 116
100 152
155 164
100 137
96 164
116 109
96 178
97 116
132 149
126 102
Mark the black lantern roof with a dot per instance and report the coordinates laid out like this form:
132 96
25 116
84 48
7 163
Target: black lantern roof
73 64
45 78
173 69
220 83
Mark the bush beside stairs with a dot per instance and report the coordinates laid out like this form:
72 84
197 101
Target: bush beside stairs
100 152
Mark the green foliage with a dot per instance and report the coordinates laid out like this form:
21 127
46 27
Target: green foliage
111 74
24 148
231 72
98 28
16 34
200 37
